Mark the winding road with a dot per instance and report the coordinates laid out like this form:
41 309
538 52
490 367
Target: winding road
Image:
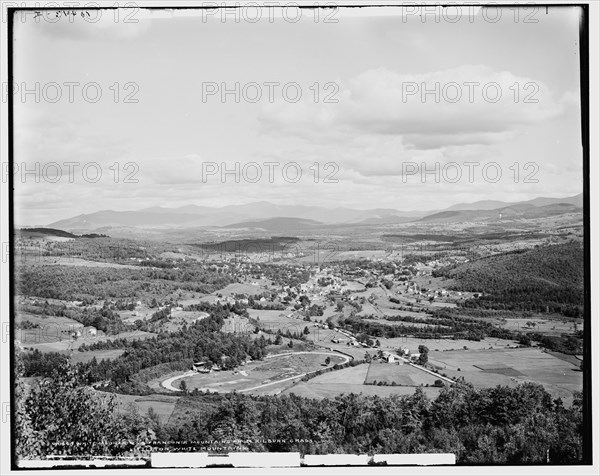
168 383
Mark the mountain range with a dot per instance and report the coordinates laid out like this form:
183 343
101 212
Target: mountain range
272 217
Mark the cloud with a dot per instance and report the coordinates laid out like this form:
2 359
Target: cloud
459 106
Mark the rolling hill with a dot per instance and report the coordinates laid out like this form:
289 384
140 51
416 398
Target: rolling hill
249 215
543 279
277 224
517 211
576 200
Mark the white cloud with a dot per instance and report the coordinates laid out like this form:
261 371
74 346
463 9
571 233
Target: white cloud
460 106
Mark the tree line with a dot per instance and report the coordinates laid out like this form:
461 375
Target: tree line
501 425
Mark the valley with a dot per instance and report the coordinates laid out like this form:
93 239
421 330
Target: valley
286 309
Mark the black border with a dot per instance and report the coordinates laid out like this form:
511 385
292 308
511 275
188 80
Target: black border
585 143
11 227
584 90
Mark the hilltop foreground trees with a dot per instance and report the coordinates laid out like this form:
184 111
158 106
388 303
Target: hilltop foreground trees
500 425
60 416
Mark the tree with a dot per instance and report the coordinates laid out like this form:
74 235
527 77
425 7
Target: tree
306 331
290 344
183 386
59 415
278 339
424 354
525 340
327 360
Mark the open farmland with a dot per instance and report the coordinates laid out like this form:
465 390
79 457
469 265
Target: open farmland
328 390
352 380
244 288
553 325
163 405
394 374
36 339
278 320
488 368
86 356
412 343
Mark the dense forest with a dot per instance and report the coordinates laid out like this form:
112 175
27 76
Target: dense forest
71 283
500 425
543 279
441 324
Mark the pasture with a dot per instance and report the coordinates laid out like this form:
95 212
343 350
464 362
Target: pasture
181 318
549 326
352 380
488 368
413 343
59 342
327 390
278 320
405 375
244 288
108 354
163 405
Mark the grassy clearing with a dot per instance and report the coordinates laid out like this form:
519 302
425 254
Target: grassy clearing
399 374
85 357
559 377
163 405
278 320
331 390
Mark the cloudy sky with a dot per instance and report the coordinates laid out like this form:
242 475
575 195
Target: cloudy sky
363 131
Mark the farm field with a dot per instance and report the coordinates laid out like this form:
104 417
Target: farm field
400 323
86 356
72 261
51 328
405 375
180 318
329 390
277 320
511 367
260 374
66 343
552 326
244 288
238 325
351 380
413 343
163 405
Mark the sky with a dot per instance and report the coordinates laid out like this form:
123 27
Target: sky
327 113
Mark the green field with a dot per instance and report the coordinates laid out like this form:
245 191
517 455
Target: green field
66 343
85 357
331 390
351 380
162 405
488 368
406 375
277 320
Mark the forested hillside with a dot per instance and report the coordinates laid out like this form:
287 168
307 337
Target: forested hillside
83 283
544 279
